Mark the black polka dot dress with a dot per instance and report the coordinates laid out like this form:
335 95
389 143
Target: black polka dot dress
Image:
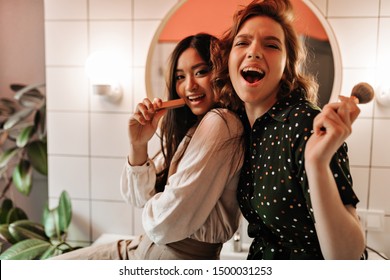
273 191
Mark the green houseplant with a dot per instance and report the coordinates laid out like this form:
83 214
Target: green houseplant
23 149
31 240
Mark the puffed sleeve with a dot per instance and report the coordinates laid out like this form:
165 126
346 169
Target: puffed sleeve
211 160
137 183
339 164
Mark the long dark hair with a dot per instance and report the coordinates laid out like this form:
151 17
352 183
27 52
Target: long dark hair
280 11
176 123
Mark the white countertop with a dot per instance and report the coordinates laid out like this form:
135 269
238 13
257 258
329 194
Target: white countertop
227 252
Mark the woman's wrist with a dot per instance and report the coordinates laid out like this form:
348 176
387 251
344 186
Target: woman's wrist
138 155
316 165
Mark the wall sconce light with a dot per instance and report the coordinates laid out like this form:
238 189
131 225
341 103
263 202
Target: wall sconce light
382 92
383 95
105 70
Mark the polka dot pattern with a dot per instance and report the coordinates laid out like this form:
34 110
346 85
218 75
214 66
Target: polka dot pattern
273 192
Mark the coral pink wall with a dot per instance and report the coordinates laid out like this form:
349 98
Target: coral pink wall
212 17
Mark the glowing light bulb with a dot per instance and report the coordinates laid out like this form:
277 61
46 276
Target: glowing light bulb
105 69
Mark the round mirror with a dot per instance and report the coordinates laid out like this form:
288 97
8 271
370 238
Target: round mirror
193 16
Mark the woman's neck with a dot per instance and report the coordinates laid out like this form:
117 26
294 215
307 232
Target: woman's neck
255 111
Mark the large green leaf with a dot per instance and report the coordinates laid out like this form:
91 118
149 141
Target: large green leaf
7 107
64 211
52 251
6 206
14 132
22 177
16 214
40 123
7 155
25 135
26 229
56 221
21 89
32 99
17 117
37 154
17 87
6 235
51 223
28 249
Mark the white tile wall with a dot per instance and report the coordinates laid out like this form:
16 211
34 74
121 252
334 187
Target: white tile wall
71 174
358 49
110 10
109 135
381 147
377 239
105 176
321 5
79 229
68 133
160 56
382 111
66 43
143 32
112 35
359 142
111 217
380 190
353 8
148 9
383 58
361 180
88 139
139 87
384 40
385 8
71 9
73 94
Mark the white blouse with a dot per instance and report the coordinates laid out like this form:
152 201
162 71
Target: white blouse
199 200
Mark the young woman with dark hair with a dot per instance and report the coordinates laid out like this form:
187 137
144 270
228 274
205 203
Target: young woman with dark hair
188 191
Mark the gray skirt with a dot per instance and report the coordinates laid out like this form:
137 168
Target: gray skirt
142 248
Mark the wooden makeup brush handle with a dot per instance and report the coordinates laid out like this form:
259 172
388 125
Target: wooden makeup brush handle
172 104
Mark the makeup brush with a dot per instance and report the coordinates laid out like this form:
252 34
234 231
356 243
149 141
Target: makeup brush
172 104
362 93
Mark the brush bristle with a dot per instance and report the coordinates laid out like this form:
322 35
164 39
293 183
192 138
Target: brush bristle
363 92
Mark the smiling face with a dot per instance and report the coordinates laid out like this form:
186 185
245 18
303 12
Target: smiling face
193 82
256 63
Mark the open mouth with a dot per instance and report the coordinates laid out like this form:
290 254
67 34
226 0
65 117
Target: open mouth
196 98
252 74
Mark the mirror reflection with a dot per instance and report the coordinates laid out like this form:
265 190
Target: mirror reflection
192 16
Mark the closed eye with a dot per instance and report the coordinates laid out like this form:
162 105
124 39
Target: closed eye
273 42
240 43
273 46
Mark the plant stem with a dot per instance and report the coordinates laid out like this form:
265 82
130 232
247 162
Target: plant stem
6 188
